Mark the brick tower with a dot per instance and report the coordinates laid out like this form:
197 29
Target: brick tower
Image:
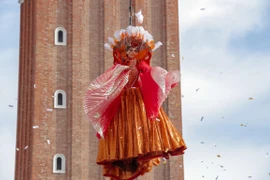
61 52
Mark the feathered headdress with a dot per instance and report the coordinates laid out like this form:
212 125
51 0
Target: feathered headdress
132 36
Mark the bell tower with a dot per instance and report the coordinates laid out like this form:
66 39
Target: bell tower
61 52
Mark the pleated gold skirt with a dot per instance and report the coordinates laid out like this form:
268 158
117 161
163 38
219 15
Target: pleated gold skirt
133 143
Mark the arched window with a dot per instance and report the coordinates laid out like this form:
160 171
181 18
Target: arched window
60 99
60 36
59 163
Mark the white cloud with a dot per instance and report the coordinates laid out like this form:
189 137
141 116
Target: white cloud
226 80
228 16
7 151
235 162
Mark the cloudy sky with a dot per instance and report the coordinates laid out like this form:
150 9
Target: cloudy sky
225 64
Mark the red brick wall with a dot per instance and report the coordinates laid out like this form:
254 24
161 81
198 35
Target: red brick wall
71 68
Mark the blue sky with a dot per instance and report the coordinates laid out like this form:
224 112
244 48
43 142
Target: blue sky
225 52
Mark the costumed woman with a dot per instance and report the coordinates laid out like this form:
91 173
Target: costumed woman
124 106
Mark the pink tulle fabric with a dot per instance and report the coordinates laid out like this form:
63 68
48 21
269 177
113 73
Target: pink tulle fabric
156 85
101 99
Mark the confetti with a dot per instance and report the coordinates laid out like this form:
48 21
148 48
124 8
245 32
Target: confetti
35 127
35 86
164 160
249 176
183 58
17 149
202 118
157 119
267 155
26 147
10 106
48 141
250 98
217 178
241 124
197 89
139 128
201 161
202 9
50 110
173 55
218 156
202 142
182 166
182 96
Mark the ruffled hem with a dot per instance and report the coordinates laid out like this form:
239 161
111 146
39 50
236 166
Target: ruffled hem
131 136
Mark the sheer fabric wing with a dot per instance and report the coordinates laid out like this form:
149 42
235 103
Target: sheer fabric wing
102 93
156 85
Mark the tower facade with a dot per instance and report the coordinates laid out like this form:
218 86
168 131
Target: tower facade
61 52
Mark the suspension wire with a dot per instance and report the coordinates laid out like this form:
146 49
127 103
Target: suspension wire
130 13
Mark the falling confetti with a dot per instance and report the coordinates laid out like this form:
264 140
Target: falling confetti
26 147
201 161
218 156
250 98
157 119
202 142
139 128
164 160
267 155
48 141
215 145
35 127
173 55
217 178
10 106
220 72
197 89
139 16
181 166
249 176
182 96
202 118
50 110
17 149
183 58
241 124
202 9
35 86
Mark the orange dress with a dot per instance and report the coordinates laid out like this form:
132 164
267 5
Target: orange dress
133 143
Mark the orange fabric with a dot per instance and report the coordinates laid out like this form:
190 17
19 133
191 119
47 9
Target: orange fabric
133 143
